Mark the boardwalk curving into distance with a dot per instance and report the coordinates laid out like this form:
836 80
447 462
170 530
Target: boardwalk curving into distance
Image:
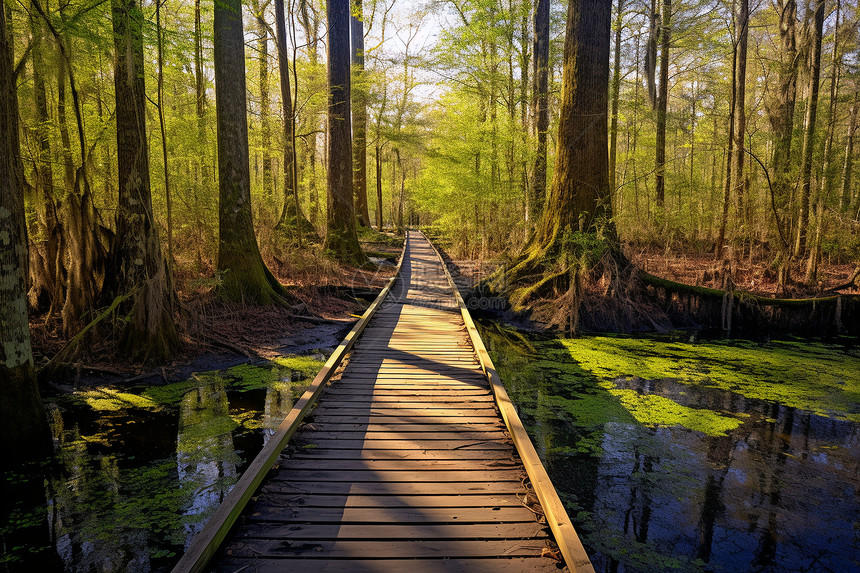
406 464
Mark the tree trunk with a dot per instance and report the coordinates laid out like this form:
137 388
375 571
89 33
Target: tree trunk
809 130
378 188
359 115
292 220
244 275
136 259
167 197
340 240
23 424
662 103
845 195
826 175
579 196
727 193
265 127
540 105
615 91
740 117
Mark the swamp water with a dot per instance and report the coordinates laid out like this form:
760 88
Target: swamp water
138 471
672 454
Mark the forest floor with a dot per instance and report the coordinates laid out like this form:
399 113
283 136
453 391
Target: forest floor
216 334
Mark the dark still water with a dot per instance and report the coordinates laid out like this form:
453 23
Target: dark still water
696 456
138 471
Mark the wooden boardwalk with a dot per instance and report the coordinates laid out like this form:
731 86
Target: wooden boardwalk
405 464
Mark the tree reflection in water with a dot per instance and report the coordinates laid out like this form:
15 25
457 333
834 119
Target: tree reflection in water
758 486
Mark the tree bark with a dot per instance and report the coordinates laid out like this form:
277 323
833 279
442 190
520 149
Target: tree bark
359 115
578 199
615 91
136 260
662 103
265 112
848 162
727 192
740 117
540 105
23 424
340 240
809 130
244 275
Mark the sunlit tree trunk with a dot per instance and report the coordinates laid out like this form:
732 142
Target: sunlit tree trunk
740 116
359 115
340 240
244 276
848 162
579 196
662 102
22 419
265 112
809 130
137 265
615 90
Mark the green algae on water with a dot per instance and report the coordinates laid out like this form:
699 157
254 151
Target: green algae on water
806 375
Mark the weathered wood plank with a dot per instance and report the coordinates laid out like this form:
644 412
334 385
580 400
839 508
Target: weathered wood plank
404 515
333 549
394 532
417 465
511 487
370 501
491 565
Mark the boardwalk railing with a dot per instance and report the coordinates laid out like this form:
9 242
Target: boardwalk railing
206 542
556 516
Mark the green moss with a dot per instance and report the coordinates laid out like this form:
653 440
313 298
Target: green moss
106 399
811 376
657 411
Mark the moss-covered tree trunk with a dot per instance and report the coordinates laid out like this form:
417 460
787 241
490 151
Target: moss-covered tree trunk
23 424
244 275
579 195
359 115
340 240
662 102
137 264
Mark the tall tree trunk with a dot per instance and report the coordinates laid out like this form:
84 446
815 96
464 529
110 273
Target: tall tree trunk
167 197
137 263
245 276
848 162
265 112
292 219
742 31
378 187
781 116
579 196
662 103
614 93
310 23
540 105
809 130
359 115
23 424
340 239
824 186
727 192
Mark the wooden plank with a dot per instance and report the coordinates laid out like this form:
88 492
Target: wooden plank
413 444
395 532
407 464
467 454
437 565
205 543
399 475
397 488
403 515
369 501
376 419
333 549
